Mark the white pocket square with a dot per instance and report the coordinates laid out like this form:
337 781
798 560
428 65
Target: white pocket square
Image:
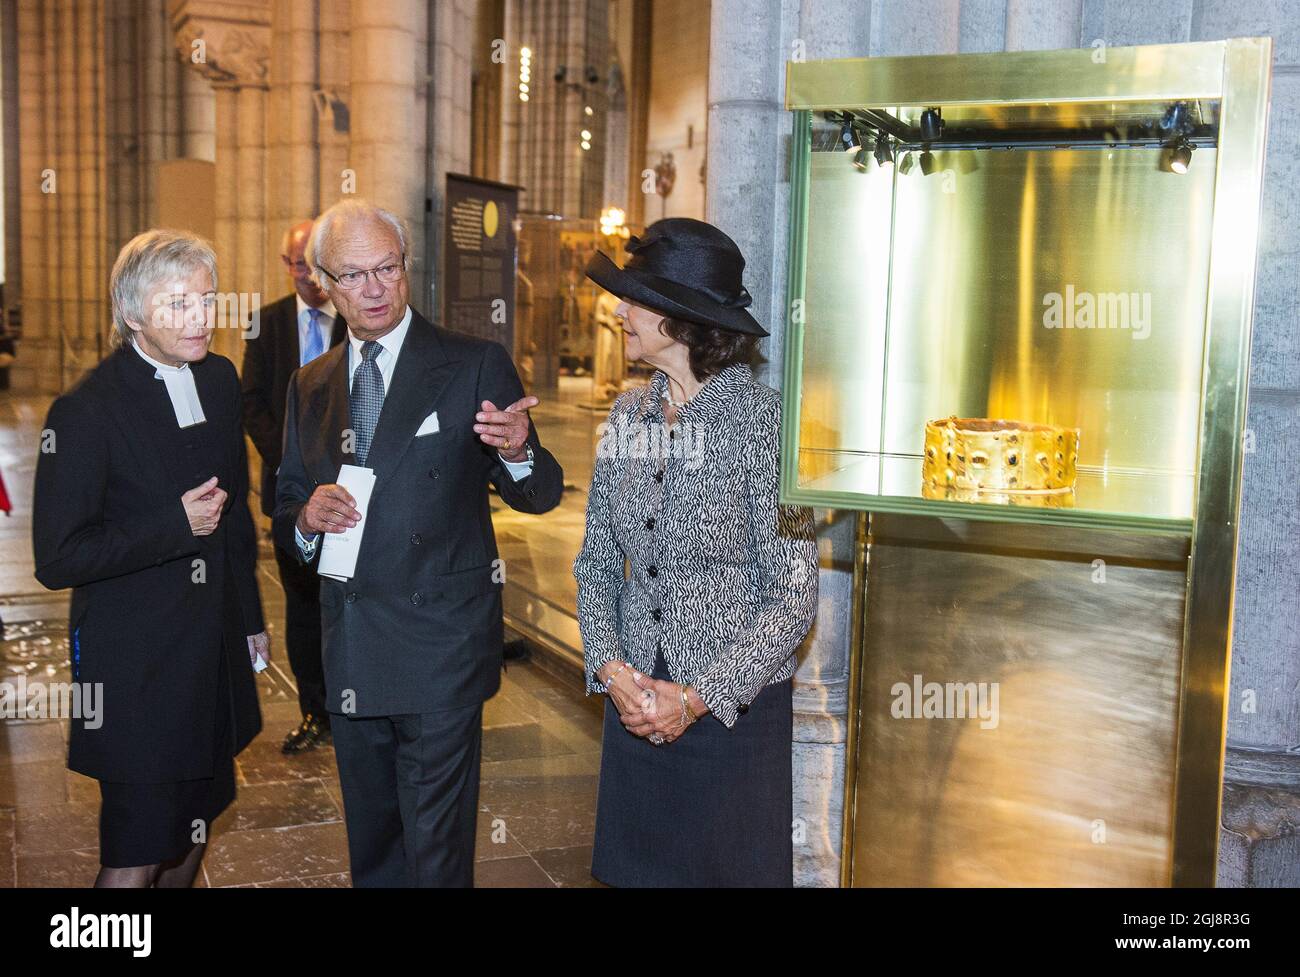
429 425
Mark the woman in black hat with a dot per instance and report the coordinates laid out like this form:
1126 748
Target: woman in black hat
695 646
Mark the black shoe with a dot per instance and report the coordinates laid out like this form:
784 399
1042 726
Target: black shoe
310 733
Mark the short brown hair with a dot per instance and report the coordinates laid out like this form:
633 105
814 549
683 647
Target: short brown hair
712 349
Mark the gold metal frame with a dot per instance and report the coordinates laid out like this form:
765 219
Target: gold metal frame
1237 73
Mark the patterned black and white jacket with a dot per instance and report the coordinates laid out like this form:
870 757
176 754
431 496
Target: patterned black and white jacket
721 576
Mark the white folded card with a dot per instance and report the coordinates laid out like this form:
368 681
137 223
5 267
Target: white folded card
428 426
338 551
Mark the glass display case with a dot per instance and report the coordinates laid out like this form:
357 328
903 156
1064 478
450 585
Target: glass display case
1045 260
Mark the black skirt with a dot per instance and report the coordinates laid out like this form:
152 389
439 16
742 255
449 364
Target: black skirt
711 809
151 824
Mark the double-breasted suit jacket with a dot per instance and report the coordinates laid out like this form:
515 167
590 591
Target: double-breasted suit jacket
418 627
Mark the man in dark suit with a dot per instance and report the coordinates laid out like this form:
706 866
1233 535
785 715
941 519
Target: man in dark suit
413 639
293 332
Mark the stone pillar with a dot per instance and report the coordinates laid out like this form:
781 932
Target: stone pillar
232 52
37 366
1043 25
12 219
226 193
292 151
749 141
448 113
251 273
333 99
198 119
123 104
387 146
62 189
1260 842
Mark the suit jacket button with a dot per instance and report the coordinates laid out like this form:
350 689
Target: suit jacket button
652 570
657 614
532 493
659 475
416 539
650 523
742 709
417 598
352 596
433 473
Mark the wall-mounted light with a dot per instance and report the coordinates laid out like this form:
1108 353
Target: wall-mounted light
884 153
525 72
931 125
849 139
1180 155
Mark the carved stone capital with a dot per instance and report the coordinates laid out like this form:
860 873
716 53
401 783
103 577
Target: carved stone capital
229 43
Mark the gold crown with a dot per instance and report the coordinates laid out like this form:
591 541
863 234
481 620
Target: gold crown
976 459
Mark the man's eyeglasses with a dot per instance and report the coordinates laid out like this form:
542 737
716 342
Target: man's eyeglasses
387 274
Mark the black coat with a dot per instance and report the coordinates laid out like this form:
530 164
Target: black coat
149 619
418 628
270 358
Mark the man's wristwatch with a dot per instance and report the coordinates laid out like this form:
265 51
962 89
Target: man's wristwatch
529 460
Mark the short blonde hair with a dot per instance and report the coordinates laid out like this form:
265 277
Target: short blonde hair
143 262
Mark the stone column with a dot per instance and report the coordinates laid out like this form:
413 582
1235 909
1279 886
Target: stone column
198 119
1260 841
62 186
448 113
233 52
292 151
748 196
1258 844
390 170
1043 25
37 368
333 99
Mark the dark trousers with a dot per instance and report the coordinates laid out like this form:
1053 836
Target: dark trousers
410 796
302 631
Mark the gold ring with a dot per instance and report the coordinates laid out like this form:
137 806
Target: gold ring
507 445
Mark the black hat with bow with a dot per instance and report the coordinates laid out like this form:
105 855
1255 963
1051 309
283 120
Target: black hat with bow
684 268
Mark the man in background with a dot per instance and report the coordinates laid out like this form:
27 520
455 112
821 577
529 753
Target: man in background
294 331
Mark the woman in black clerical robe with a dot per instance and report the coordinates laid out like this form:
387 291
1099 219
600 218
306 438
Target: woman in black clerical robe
140 507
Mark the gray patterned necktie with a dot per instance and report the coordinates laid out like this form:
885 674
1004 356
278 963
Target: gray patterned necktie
367 398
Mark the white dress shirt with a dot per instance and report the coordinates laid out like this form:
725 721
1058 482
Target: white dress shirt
386 360
324 325
180 388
